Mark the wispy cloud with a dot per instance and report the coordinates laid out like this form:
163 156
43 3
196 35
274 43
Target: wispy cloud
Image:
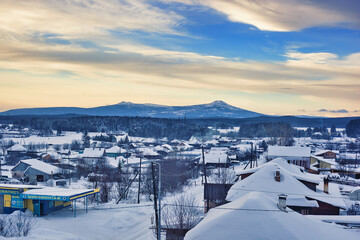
334 111
286 15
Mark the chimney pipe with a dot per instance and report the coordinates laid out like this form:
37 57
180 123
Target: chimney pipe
326 185
277 176
282 202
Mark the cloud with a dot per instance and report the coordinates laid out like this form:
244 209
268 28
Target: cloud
334 111
82 19
286 15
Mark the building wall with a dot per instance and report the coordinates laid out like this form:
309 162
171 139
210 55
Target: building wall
32 174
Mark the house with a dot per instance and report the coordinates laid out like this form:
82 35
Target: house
149 153
93 155
296 155
275 178
115 152
16 150
216 157
39 199
34 170
215 194
51 157
255 216
326 154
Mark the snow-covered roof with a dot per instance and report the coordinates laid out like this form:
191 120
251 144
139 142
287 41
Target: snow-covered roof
167 146
263 181
17 148
282 151
256 216
52 191
93 153
216 155
52 154
40 166
242 147
295 170
116 149
321 152
148 152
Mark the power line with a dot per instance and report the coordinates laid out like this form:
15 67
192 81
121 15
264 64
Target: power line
299 194
237 209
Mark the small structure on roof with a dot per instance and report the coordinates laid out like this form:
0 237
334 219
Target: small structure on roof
34 170
40 200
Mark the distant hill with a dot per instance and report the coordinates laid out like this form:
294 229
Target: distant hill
216 109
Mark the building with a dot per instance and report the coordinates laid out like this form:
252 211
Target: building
257 216
38 199
216 157
115 152
93 155
295 155
16 151
34 170
306 193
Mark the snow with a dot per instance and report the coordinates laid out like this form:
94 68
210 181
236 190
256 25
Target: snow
116 149
295 170
281 151
17 148
263 181
20 186
216 155
109 221
67 138
52 191
41 166
93 153
256 216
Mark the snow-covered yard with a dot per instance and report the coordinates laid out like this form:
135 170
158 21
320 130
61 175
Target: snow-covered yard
107 221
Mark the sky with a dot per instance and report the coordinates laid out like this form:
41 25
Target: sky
283 57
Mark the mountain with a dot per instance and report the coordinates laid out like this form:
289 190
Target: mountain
216 109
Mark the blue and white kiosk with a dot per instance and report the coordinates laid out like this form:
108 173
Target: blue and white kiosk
40 200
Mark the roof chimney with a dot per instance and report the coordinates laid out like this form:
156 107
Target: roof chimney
277 176
326 185
282 202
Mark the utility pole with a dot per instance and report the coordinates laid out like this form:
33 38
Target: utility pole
139 182
155 201
251 156
256 157
204 169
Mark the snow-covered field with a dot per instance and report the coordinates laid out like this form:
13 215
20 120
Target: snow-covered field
106 221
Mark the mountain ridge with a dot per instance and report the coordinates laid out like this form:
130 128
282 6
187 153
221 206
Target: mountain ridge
217 109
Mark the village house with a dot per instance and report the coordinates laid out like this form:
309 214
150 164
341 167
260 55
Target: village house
306 193
115 152
296 155
16 150
216 157
33 170
93 155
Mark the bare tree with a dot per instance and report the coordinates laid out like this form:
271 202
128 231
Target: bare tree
105 191
182 213
223 175
18 224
